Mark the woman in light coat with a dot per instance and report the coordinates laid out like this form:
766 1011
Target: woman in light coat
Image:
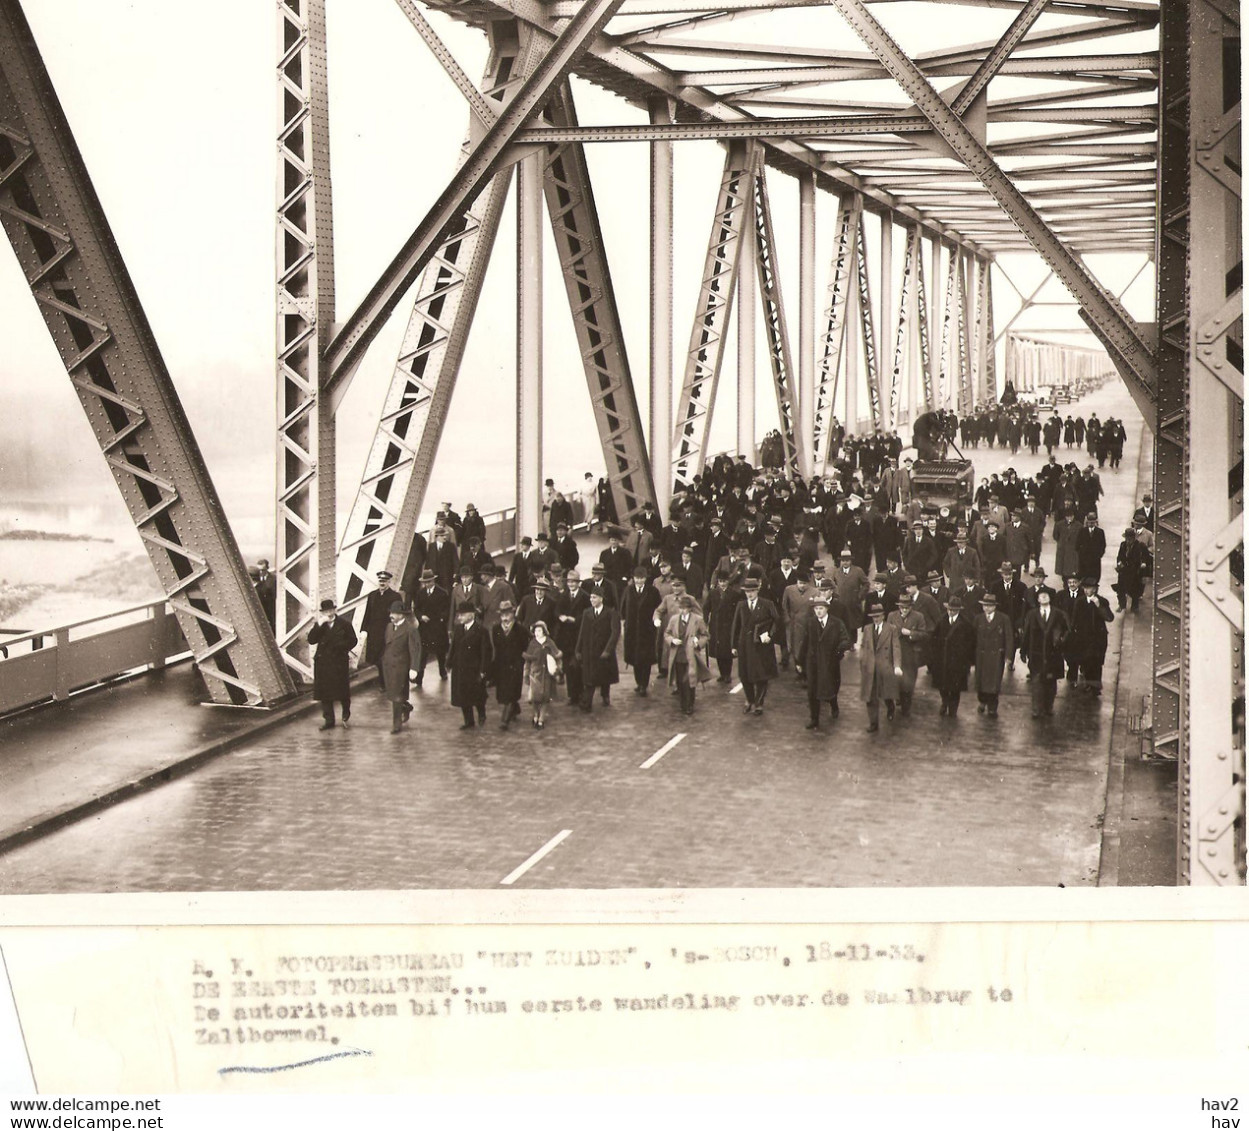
540 656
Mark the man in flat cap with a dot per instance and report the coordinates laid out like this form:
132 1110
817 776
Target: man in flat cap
331 664
376 618
401 659
755 625
995 644
952 655
824 643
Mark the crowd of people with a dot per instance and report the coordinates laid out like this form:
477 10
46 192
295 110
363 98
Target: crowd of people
735 582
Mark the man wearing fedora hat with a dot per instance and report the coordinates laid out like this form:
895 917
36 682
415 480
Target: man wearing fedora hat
331 664
953 652
469 660
1090 616
818 657
596 650
431 606
685 645
494 592
508 641
639 608
374 621
443 558
401 659
880 663
538 605
995 644
754 644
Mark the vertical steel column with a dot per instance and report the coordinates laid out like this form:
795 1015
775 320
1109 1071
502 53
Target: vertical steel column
854 324
1212 796
775 330
806 324
979 375
924 327
966 395
948 356
529 185
836 322
77 277
306 519
900 353
746 286
661 112
1170 639
869 334
988 339
706 349
595 316
388 504
885 331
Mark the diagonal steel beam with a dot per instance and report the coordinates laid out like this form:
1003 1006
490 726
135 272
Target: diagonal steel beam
992 63
775 329
869 334
1112 325
921 315
388 503
78 279
350 343
596 317
909 273
482 110
846 250
715 298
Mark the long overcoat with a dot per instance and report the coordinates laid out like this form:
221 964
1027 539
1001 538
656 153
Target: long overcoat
880 655
1066 556
637 623
1089 632
469 661
914 646
507 667
541 682
374 621
1133 565
331 666
952 653
994 643
694 637
756 660
719 617
1090 549
1045 642
402 653
596 646
820 657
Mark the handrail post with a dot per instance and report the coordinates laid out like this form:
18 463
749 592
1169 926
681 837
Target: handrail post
61 690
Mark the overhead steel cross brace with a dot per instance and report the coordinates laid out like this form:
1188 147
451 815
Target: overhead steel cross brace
348 346
1117 331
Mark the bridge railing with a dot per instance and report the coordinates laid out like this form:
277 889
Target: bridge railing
53 663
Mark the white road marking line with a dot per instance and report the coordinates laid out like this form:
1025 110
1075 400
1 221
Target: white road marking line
660 752
516 873
735 690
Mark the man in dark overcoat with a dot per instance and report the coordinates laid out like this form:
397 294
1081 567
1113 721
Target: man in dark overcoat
267 590
574 603
824 643
540 605
374 621
508 641
880 664
1089 619
914 632
1090 547
721 605
443 558
596 650
1044 640
431 606
331 664
952 654
469 660
995 644
755 628
638 607
401 657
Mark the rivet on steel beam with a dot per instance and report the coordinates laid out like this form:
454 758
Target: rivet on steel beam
1222 755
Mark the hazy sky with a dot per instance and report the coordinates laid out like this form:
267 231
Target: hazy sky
174 106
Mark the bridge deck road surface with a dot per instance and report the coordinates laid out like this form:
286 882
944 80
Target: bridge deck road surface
740 801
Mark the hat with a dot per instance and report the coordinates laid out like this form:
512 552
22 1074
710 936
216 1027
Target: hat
933 575
846 554
264 562
989 599
909 579
466 571
526 541
960 535
876 607
488 568
904 597
597 593
1006 567
572 575
1092 515
542 536
539 624
751 583
556 569
506 606
327 606
685 601
1089 582
469 507
639 571
817 567
917 525
1039 572
561 526
439 530
541 584
396 606
1147 498
598 567
384 575
819 598
428 575
955 603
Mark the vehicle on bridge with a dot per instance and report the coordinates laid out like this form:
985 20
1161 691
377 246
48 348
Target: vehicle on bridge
943 483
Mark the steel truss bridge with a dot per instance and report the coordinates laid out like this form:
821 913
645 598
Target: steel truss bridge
1075 128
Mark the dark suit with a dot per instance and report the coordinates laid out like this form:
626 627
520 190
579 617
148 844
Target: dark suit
401 655
566 632
1044 639
469 659
444 560
596 653
331 666
820 661
431 605
756 658
637 618
373 624
267 591
953 650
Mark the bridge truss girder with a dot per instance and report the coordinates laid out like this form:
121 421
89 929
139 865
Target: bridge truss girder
76 274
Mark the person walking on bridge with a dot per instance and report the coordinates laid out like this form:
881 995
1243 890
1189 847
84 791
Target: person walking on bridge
596 650
953 651
374 621
401 660
880 664
331 664
469 659
685 641
1089 619
1044 635
754 637
431 606
639 606
995 643
543 671
824 643
508 641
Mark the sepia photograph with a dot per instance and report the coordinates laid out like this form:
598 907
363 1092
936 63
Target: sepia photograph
668 445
